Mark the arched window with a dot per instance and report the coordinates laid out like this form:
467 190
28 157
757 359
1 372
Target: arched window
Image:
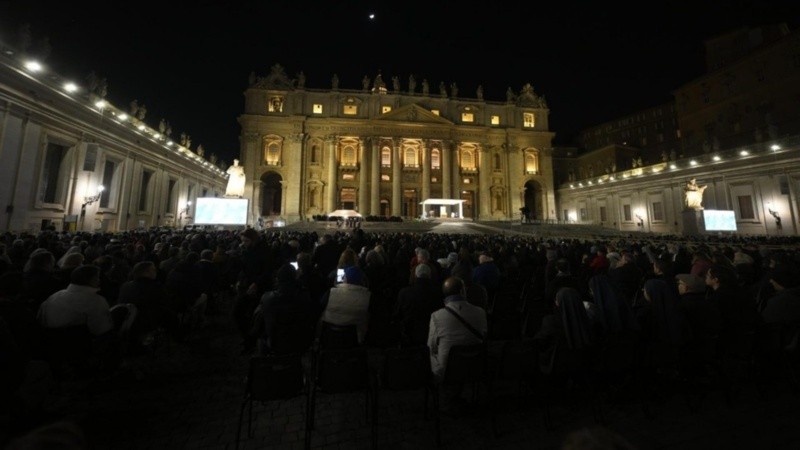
410 158
316 155
349 156
435 161
531 165
497 162
467 159
386 157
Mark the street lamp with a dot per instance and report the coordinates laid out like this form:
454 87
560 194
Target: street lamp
640 218
184 212
88 200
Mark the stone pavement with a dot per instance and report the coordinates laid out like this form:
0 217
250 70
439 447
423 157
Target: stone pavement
188 396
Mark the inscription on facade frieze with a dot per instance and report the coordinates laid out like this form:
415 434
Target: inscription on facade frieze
410 177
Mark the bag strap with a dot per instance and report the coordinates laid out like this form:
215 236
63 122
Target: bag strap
466 324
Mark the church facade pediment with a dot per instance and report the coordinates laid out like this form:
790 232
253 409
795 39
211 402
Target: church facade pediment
413 113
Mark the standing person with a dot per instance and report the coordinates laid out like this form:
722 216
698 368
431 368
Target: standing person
252 282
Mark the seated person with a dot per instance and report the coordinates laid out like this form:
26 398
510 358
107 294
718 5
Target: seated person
79 306
348 302
151 299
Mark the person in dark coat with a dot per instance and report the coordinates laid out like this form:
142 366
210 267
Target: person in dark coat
288 315
151 299
414 306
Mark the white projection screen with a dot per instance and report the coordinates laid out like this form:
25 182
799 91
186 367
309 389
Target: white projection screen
220 211
719 220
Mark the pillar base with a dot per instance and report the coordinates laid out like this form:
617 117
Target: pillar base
693 223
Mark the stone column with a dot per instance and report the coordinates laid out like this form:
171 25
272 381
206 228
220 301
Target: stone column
397 173
485 205
375 188
291 186
256 199
363 173
426 170
456 174
332 171
447 161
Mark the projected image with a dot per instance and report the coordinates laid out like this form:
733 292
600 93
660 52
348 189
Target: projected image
220 211
719 220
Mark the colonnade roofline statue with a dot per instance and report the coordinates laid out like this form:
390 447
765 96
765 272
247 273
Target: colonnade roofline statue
236 180
693 195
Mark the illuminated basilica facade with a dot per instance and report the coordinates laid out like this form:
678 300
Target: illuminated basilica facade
383 151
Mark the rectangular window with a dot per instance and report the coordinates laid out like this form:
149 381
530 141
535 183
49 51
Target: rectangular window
584 215
626 213
348 176
746 210
566 215
90 160
108 180
171 195
603 217
53 158
495 120
385 177
317 108
350 110
143 188
658 212
385 109
467 117
528 120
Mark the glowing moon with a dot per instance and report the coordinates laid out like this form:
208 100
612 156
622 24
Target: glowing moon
371 16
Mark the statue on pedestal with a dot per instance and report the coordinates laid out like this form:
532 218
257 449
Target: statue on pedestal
235 181
693 195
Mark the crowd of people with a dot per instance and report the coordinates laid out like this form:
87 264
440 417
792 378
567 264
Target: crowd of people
671 299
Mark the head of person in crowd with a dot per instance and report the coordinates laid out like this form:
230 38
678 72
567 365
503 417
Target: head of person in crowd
719 275
86 275
784 276
144 269
347 258
454 286
690 284
207 255
40 261
354 275
72 260
249 237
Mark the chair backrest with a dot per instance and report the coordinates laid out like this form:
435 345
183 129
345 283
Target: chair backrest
466 364
293 333
68 343
275 377
123 315
505 325
342 370
406 368
518 360
334 336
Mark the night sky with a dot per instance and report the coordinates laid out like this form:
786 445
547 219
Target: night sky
190 65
